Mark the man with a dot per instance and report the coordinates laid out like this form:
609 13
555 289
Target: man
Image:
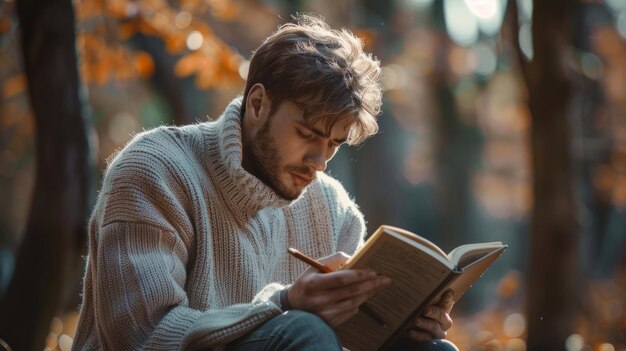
189 237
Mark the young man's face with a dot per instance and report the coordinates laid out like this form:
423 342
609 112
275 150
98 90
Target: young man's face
286 151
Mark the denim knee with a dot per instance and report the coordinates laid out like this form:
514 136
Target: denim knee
437 345
293 330
408 344
304 328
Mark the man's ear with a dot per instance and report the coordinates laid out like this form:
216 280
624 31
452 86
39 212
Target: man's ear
257 105
257 111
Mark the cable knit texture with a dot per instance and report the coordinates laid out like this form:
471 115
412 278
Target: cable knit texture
187 250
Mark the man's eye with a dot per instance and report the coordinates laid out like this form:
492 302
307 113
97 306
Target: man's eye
303 135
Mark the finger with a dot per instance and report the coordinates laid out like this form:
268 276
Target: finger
348 297
349 304
438 314
349 307
364 288
334 317
333 280
420 335
431 326
447 301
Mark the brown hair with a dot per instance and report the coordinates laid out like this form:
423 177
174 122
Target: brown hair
324 71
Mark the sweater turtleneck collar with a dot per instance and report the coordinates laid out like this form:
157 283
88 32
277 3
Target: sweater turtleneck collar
245 193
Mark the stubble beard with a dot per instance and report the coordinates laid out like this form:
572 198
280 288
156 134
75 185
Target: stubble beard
264 163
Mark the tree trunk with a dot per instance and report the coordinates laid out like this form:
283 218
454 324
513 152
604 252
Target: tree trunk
552 281
177 92
49 260
456 146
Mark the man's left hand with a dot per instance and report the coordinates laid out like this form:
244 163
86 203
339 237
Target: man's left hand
434 321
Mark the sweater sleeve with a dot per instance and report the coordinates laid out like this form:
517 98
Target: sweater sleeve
143 243
140 300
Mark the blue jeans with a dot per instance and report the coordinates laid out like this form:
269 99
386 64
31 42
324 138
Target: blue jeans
304 331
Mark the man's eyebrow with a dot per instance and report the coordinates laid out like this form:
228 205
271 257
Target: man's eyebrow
318 132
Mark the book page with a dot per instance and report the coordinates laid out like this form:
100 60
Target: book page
467 275
414 237
414 273
473 271
464 255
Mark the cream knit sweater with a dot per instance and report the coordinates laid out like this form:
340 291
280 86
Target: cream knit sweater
189 251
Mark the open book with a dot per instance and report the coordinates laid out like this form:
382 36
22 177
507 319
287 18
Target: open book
420 271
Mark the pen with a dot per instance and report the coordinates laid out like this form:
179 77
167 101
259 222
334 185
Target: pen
324 269
308 260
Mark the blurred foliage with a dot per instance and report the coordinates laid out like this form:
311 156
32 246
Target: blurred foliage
451 108
107 25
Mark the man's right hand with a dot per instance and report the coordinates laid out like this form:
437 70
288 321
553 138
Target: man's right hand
334 296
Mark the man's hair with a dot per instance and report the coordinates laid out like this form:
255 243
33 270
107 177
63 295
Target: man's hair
323 71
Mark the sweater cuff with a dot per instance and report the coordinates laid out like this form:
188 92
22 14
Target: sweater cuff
284 301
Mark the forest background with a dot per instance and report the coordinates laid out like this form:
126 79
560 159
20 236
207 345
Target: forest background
503 120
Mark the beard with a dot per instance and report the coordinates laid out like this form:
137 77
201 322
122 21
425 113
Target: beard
262 159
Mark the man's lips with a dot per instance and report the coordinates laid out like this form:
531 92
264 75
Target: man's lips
300 179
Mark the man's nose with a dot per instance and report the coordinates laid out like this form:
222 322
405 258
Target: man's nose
316 158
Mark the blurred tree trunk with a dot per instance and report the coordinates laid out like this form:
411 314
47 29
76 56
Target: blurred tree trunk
380 203
49 259
456 145
552 281
455 150
173 89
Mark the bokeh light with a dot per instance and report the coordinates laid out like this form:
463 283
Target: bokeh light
616 5
486 59
574 342
65 342
182 20
621 23
194 40
421 3
243 68
460 23
606 347
122 126
394 77
526 40
483 8
491 25
514 325
526 9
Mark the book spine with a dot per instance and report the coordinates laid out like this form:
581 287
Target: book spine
408 323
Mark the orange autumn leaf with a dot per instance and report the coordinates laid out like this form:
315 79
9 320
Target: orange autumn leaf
121 9
223 10
101 72
206 79
127 30
191 3
188 64
5 24
175 43
368 36
14 85
144 64
228 59
205 30
88 9
146 28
